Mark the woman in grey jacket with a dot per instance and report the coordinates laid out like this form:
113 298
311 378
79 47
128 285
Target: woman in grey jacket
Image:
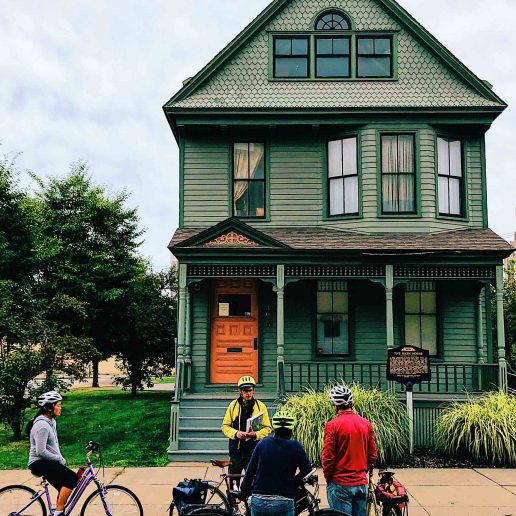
45 459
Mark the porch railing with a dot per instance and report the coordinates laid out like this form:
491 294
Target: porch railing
446 378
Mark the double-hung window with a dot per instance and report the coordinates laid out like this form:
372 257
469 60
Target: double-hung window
451 177
343 177
421 315
249 180
332 318
333 57
374 56
398 173
291 57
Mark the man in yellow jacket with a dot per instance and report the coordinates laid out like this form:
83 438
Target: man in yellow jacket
234 426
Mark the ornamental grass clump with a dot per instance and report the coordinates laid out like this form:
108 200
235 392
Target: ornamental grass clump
388 416
483 429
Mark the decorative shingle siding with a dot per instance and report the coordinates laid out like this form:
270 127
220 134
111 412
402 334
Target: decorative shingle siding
424 81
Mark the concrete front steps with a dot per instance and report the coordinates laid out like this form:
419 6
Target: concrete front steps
200 419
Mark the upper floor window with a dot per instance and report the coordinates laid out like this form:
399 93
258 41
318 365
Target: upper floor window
398 173
343 177
332 21
291 57
249 180
451 177
421 316
332 318
374 56
333 57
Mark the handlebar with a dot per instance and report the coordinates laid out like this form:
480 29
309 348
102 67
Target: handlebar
93 447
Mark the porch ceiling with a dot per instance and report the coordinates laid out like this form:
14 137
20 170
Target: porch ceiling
483 241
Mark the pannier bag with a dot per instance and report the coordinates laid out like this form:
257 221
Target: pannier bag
390 492
189 495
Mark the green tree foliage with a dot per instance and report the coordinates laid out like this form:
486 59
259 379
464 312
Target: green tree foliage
509 302
146 328
89 242
32 339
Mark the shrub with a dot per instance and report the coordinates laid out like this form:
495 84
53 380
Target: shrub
388 416
483 429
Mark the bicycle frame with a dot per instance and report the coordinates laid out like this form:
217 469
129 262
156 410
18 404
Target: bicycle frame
88 477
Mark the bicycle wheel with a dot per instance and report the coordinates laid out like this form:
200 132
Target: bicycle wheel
330 512
209 511
216 498
120 500
15 498
392 511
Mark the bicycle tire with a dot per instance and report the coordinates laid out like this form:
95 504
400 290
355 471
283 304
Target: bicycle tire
392 511
330 512
207 511
28 493
215 491
96 498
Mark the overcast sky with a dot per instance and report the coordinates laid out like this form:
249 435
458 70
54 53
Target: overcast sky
86 79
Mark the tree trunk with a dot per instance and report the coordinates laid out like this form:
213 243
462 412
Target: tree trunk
134 389
16 428
95 368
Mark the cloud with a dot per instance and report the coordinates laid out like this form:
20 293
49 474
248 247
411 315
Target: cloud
87 79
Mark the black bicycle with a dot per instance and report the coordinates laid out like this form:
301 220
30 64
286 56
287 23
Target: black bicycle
207 498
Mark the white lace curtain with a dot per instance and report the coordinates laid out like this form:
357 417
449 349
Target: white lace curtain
398 175
247 159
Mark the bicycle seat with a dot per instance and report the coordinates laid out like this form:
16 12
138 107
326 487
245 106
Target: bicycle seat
221 463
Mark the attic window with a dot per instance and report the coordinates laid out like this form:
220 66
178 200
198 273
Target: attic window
332 21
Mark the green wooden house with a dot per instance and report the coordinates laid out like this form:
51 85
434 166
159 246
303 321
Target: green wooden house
332 206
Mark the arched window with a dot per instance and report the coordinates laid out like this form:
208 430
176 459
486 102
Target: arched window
333 53
332 20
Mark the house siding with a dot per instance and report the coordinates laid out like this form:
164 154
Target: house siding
296 175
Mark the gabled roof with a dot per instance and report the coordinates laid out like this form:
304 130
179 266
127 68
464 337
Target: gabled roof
231 232
429 75
320 239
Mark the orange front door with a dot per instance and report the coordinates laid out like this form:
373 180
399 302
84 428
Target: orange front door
234 330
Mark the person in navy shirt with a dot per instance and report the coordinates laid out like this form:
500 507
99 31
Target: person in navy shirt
270 475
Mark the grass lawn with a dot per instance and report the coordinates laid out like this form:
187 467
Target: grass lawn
132 431
166 379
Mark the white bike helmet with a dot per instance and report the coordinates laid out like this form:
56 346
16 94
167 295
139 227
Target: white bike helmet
341 396
49 398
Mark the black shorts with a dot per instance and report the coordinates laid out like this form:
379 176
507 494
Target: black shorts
57 475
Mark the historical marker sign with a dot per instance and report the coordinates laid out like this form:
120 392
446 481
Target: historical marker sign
408 365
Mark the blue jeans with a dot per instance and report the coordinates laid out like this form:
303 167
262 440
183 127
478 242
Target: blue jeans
350 500
261 507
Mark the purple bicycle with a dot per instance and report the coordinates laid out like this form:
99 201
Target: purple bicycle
110 500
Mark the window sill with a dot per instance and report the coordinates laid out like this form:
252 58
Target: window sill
333 79
458 218
399 216
351 216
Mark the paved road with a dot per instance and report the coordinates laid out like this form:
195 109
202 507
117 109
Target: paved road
434 492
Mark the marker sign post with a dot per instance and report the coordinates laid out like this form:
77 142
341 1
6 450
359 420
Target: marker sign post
409 365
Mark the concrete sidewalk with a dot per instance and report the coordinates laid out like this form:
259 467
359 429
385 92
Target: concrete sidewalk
435 492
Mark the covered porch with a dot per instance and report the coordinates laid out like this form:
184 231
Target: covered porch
292 355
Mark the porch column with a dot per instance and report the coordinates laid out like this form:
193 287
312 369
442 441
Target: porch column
389 314
181 317
500 330
480 328
280 328
188 341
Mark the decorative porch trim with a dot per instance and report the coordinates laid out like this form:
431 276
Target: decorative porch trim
224 271
231 239
334 271
439 272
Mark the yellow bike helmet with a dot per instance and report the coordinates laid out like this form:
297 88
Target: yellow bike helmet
246 381
283 419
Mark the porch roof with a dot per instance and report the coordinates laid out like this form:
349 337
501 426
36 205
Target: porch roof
321 238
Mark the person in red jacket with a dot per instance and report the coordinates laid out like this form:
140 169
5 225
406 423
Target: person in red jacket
349 454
